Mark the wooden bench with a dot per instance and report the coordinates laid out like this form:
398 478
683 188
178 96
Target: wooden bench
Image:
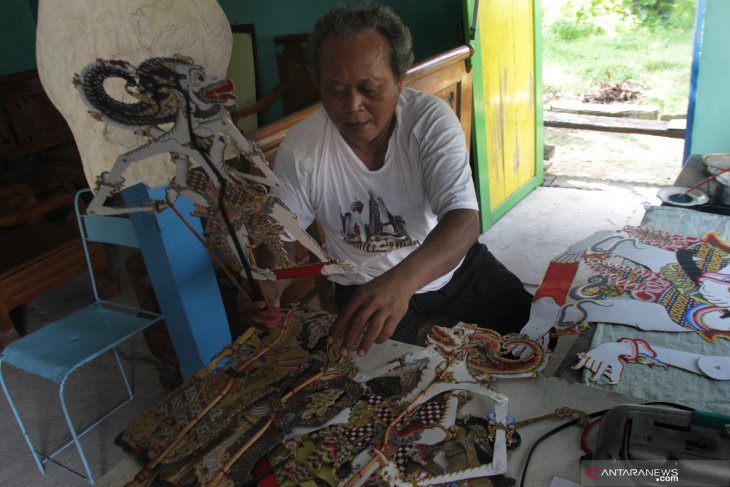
40 172
446 75
600 123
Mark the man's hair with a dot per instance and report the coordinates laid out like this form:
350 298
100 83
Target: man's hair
347 20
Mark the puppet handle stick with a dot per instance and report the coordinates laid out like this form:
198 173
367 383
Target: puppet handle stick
239 453
707 180
227 467
145 473
384 441
212 253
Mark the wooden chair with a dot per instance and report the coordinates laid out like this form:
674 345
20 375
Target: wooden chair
58 349
446 75
299 88
295 89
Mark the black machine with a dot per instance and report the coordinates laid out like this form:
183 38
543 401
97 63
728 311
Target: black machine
634 433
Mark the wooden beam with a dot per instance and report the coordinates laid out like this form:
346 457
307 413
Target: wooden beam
610 124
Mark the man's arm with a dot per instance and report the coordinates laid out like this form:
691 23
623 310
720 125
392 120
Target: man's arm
379 305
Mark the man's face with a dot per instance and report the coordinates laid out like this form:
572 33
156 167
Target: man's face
358 88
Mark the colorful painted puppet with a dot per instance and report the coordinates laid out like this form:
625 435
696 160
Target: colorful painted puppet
181 110
608 359
644 278
387 438
286 388
232 397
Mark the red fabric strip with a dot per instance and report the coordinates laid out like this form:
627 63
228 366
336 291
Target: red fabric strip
557 281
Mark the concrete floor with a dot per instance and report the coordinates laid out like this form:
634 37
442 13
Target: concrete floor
562 211
552 217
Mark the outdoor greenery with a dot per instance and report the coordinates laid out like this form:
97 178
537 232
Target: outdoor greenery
643 46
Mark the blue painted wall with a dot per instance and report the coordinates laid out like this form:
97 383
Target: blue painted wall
435 26
710 130
17 37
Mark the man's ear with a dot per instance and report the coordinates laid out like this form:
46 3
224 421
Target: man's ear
400 83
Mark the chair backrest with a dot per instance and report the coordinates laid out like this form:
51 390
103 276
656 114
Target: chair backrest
300 91
102 229
28 120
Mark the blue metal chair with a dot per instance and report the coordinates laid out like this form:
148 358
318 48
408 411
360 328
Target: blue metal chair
61 347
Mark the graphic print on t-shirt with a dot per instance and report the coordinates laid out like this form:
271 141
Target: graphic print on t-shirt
376 232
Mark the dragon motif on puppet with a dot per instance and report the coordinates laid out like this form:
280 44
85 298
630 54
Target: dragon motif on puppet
489 354
181 109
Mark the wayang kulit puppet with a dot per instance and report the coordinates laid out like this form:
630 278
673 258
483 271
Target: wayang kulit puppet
647 279
284 404
181 110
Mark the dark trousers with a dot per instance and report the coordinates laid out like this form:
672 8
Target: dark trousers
482 291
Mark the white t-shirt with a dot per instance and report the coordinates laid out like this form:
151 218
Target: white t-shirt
376 218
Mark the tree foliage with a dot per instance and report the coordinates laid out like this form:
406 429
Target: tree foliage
581 18
678 13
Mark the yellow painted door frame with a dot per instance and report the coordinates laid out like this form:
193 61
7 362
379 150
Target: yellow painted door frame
507 143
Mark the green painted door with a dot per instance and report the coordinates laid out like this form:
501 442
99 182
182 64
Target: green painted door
507 132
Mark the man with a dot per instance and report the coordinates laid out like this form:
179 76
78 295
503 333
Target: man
385 170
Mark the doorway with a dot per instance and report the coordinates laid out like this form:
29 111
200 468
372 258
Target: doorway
600 55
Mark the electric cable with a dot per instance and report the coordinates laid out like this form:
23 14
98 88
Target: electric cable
576 420
548 435
584 436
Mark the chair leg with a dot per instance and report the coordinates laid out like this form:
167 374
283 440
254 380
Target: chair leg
33 451
41 458
124 375
75 437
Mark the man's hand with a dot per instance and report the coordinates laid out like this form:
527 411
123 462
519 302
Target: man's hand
376 309
373 312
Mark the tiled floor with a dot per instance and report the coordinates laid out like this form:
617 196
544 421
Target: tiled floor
538 228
